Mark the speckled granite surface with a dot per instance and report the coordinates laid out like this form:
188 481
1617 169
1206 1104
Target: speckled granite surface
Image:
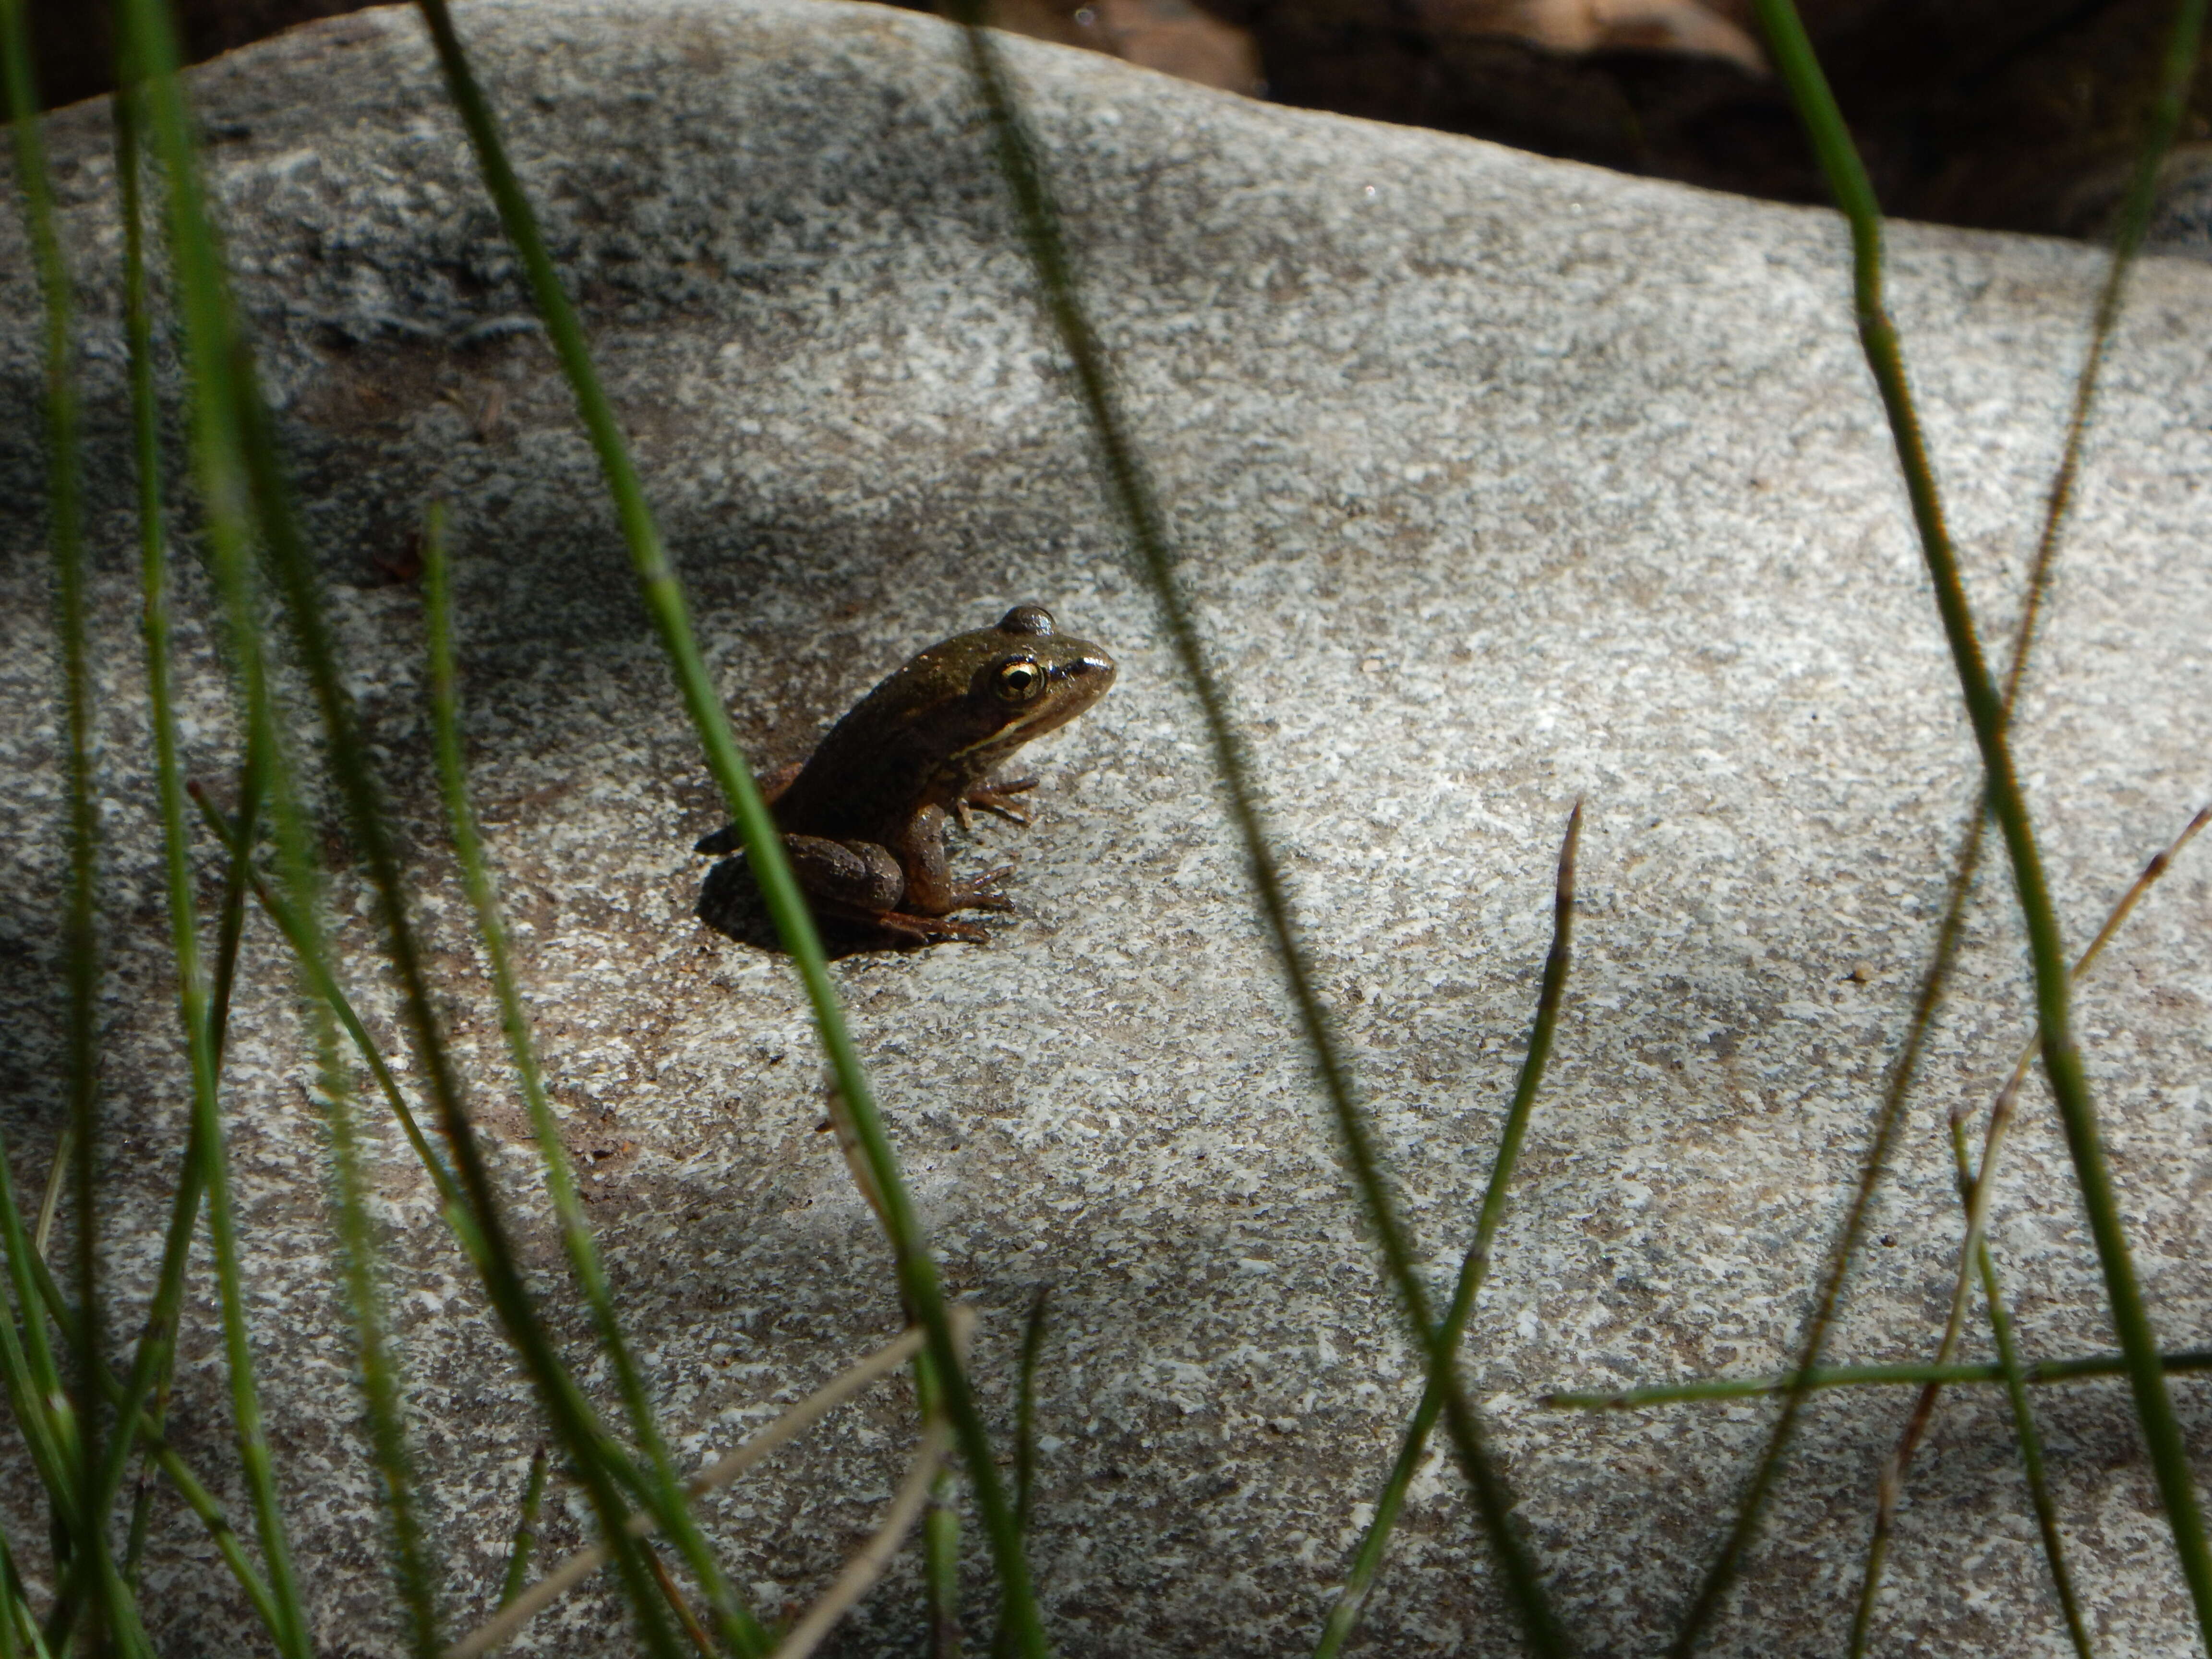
1503 481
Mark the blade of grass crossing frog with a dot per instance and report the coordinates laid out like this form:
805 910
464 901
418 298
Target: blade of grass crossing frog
663 599
1137 503
81 946
1847 179
1344 1616
737 1627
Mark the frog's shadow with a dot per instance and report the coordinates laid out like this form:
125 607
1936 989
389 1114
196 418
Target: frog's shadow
729 902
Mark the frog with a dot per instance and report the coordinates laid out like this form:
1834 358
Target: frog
863 817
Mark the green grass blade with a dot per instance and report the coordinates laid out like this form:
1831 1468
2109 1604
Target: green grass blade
323 984
525 1530
736 1624
2030 1457
2175 72
1847 179
2181 1361
1033 1330
1888 1116
26 1359
20 1636
1344 1616
413 1568
209 334
919 1277
80 936
245 494
941 1572
1137 504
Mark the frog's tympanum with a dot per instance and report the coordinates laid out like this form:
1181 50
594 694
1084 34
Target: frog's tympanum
864 818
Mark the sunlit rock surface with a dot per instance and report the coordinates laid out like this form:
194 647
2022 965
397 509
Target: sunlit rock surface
1500 482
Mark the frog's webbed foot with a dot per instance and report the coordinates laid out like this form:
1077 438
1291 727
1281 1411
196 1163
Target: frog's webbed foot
994 798
982 893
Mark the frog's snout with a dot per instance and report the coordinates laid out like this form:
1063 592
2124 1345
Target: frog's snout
1091 662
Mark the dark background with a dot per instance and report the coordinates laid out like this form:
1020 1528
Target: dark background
2014 114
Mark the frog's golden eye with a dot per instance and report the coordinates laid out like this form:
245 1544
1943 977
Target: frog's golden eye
1019 679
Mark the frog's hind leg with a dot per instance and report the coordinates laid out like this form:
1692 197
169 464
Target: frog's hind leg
993 797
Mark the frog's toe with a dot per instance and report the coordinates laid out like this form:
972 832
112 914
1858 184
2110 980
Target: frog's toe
930 930
997 798
983 893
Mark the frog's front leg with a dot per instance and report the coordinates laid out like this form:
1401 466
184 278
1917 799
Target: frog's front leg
994 797
860 881
930 888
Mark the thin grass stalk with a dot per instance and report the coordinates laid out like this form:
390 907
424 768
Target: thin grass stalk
243 486
2030 1437
1975 1187
1134 500
2176 70
15 1614
324 985
2181 1361
525 1530
414 1570
1033 1330
80 936
210 337
2062 1060
672 1593
739 1629
1475 1265
919 1281
189 1486
27 1360
940 1572
50 1201
513 1615
19 1637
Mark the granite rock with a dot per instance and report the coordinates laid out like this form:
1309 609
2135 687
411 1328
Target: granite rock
1501 484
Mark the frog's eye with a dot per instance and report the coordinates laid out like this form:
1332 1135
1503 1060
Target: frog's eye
1019 679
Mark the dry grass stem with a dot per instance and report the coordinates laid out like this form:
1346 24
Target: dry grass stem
863 1569
582 1564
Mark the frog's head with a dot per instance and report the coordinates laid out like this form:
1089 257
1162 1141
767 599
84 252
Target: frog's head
1023 680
